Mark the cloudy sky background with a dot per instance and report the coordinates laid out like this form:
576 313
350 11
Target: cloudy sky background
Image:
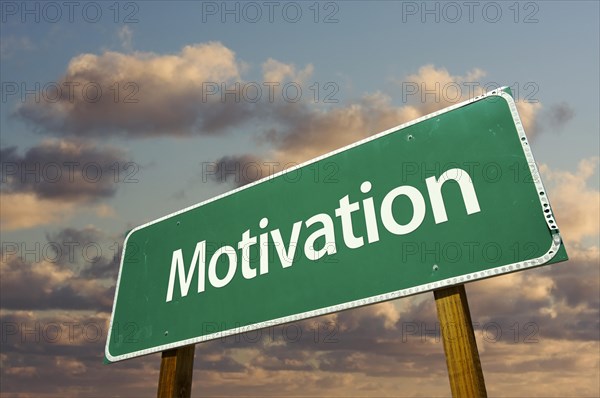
100 164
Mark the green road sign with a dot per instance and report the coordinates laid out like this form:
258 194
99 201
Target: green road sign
452 197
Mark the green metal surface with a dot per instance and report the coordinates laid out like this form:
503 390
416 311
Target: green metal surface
511 231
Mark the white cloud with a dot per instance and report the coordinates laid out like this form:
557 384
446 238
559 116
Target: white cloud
11 45
276 71
142 93
26 210
126 37
575 202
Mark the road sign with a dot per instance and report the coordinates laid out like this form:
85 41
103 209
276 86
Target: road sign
449 198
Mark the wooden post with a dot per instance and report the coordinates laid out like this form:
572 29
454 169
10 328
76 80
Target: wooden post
462 357
176 368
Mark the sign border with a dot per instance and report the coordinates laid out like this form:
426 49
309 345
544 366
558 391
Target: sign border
504 269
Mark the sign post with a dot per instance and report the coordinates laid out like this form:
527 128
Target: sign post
462 357
176 369
450 198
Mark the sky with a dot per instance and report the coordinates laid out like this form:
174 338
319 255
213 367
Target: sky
116 113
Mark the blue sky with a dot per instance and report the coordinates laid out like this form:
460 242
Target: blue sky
366 56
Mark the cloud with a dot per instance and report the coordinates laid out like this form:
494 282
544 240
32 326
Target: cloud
51 181
49 286
279 72
301 131
371 351
126 37
59 353
96 254
11 45
556 367
574 201
26 210
537 119
307 132
557 116
61 169
142 94
73 269
240 170
200 90
105 211
528 112
433 88
560 301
